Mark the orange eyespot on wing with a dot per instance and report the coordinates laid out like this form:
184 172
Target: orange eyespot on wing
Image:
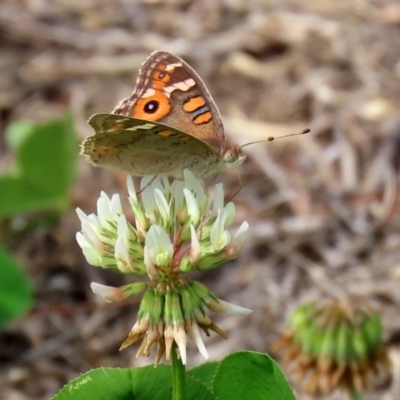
160 77
152 108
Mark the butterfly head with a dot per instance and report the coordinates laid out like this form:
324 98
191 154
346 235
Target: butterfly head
233 157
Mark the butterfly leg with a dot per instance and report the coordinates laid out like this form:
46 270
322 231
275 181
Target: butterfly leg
211 181
239 189
147 185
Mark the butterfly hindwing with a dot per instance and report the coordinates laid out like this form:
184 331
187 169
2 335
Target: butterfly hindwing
140 147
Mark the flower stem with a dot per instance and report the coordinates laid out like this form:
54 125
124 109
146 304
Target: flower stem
178 376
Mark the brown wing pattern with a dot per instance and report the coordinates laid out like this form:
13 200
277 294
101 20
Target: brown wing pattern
169 91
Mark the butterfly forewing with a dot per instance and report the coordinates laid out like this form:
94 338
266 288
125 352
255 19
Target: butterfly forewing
182 100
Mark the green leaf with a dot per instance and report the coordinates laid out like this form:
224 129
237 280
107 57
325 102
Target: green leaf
44 169
18 196
123 383
17 133
205 373
120 384
243 375
16 292
196 390
250 375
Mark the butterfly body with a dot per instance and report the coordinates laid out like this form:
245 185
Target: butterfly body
169 123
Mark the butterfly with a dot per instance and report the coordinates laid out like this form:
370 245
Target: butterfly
169 123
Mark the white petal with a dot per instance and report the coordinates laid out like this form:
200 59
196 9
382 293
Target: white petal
219 237
218 198
151 268
81 240
194 334
169 340
124 261
115 206
92 219
167 186
196 186
192 207
103 209
113 294
158 246
189 179
131 189
122 227
230 213
180 340
195 251
178 197
108 293
91 254
157 184
149 203
221 306
241 235
140 219
145 182
81 215
91 236
201 196
162 205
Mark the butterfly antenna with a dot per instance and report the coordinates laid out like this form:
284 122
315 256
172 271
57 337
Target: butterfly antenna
271 138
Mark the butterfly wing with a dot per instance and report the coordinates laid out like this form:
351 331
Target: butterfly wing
140 147
170 122
169 91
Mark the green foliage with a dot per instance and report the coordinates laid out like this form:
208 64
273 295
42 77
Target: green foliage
243 375
39 180
205 373
16 293
251 375
44 169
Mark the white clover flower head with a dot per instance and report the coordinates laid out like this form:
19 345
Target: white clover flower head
176 228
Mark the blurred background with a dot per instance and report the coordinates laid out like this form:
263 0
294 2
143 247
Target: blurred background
323 208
